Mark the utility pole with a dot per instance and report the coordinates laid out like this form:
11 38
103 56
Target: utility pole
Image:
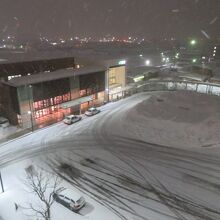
1 183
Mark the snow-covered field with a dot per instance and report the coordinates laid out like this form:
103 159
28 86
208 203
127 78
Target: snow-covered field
152 156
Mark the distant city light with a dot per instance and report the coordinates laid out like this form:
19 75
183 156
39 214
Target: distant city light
215 48
213 54
203 58
194 60
122 62
193 42
141 55
147 62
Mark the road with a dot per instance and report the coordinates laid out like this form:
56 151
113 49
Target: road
134 179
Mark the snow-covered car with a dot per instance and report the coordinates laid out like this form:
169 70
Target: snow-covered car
4 122
92 111
72 119
70 199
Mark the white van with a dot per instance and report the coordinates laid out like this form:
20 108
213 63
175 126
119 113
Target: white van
3 122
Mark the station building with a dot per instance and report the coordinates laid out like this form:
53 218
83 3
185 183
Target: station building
45 97
42 99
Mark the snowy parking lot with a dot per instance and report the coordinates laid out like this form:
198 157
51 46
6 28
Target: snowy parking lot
152 156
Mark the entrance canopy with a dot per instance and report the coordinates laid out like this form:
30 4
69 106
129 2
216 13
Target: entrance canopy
76 102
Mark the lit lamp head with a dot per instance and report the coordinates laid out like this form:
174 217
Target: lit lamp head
147 62
193 42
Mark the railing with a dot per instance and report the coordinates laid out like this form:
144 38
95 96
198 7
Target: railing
171 85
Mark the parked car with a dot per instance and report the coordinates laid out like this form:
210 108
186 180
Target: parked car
70 199
4 122
72 119
92 111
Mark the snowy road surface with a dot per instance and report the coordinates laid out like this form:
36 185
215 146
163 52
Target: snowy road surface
136 160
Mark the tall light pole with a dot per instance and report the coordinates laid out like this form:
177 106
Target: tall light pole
1 182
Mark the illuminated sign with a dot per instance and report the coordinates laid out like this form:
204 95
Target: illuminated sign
122 62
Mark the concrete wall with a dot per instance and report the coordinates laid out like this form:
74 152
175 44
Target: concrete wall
74 87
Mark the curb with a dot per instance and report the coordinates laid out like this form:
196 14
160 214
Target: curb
27 134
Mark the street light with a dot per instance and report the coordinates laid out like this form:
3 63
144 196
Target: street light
193 42
1 183
147 62
194 60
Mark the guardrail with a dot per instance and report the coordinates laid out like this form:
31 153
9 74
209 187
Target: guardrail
171 85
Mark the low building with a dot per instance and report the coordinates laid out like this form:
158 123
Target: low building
9 70
42 99
40 92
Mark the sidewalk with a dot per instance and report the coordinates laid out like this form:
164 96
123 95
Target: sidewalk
14 135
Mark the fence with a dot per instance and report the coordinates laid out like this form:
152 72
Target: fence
200 87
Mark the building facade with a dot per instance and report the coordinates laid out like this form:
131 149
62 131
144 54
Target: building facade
41 100
116 81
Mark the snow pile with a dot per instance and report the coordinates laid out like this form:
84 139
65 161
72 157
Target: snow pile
177 119
108 159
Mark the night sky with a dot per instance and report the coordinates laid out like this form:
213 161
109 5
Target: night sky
120 18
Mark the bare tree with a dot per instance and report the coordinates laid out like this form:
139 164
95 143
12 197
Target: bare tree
43 185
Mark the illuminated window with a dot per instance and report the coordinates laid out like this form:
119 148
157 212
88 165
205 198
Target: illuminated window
66 97
82 92
112 80
49 106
